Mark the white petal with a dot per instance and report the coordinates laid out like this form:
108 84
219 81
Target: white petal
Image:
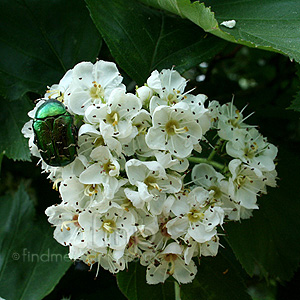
157 274
177 227
173 248
92 175
184 273
199 234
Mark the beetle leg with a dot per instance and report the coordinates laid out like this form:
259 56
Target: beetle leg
71 145
43 151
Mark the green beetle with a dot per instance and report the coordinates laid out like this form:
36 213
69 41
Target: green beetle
55 133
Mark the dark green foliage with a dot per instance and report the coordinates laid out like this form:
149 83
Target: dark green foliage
12 118
41 40
32 262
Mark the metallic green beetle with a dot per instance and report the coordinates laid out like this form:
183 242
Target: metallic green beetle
55 133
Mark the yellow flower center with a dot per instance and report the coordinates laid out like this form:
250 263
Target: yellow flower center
250 152
150 181
173 127
99 141
96 91
235 122
112 118
195 215
217 191
109 226
108 167
90 189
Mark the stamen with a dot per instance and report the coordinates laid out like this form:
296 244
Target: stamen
109 226
180 130
90 189
155 185
64 224
55 183
115 116
195 215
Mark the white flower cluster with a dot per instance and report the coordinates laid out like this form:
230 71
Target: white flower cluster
129 194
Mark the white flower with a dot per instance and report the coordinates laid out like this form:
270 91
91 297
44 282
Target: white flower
169 85
170 162
206 176
104 171
106 258
174 129
252 148
136 246
92 84
28 132
196 216
152 182
231 120
170 262
111 229
148 224
78 194
270 178
201 114
142 121
209 248
144 93
75 168
115 117
60 91
90 138
68 230
245 184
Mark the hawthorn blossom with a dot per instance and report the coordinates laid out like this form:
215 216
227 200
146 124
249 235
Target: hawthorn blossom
115 117
143 185
112 228
170 262
196 216
174 129
253 149
92 84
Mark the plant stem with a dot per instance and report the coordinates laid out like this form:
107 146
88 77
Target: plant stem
216 148
200 160
177 290
212 154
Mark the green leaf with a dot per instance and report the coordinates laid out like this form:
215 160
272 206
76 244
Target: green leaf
196 12
295 105
40 40
270 24
13 116
132 284
142 39
271 239
217 278
1 158
31 261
